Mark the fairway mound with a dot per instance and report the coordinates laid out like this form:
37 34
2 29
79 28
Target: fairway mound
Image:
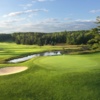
12 70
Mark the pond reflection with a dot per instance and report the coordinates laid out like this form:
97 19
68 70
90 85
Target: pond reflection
53 53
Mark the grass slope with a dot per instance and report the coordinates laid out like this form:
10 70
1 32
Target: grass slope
66 77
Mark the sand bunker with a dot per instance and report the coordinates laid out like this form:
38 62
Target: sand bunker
12 70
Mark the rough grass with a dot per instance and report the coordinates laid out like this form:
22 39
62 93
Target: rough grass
66 77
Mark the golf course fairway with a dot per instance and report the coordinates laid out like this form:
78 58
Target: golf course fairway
68 63
64 77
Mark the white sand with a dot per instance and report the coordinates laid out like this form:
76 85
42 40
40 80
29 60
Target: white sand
12 70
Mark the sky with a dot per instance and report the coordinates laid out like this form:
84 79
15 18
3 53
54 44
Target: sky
48 15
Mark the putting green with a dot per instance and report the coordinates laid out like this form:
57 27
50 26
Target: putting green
68 62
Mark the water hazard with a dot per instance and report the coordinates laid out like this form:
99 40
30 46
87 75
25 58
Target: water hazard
17 60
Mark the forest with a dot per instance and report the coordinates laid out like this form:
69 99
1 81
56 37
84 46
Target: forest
91 37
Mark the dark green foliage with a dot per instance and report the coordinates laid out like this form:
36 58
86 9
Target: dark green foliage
71 37
94 41
98 22
95 46
5 37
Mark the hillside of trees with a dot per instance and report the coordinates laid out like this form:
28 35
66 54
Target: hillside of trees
72 37
91 37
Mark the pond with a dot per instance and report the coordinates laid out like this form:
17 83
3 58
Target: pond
17 60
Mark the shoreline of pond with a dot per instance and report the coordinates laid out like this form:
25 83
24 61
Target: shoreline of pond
32 55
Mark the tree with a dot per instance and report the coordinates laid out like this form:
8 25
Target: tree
98 22
95 33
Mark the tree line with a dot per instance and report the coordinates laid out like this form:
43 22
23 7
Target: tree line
6 37
91 37
69 37
72 37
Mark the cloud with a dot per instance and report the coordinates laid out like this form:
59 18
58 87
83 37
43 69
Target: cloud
68 19
56 27
85 20
14 14
10 22
95 11
46 25
50 20
13 20
25 12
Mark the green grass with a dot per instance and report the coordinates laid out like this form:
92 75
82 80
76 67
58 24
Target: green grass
69 62
11 50
66 77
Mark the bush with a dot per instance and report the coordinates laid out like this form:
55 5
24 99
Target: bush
95 46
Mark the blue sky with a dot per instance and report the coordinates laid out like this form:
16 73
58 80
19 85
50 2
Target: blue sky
47 15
